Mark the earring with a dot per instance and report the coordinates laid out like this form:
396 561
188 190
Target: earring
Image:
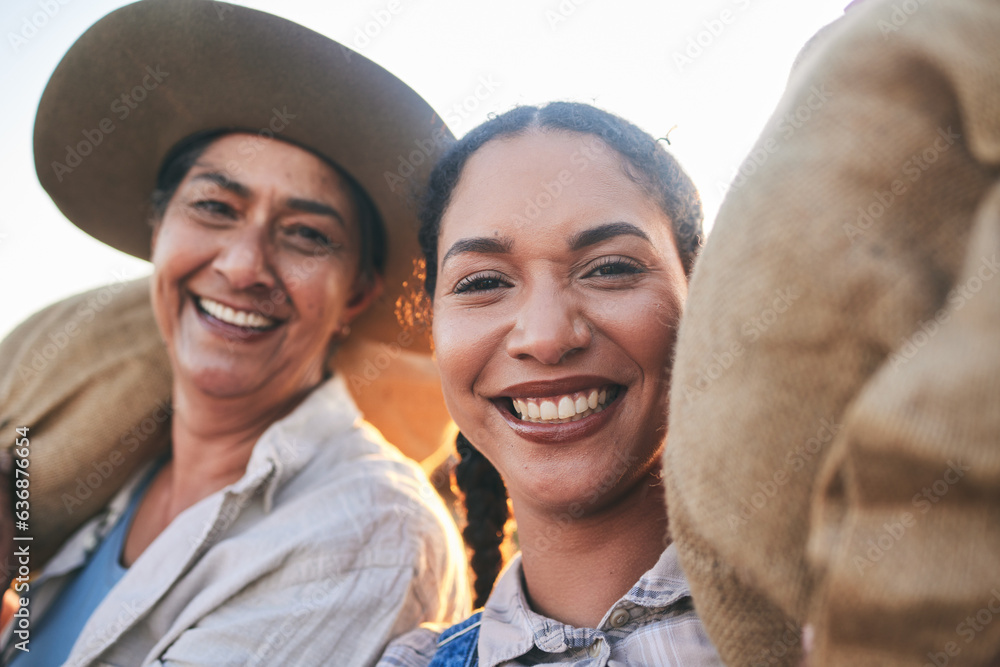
344 332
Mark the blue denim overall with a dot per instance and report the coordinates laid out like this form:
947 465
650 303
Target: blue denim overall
458 646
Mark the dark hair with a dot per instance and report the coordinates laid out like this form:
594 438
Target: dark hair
185 154
644 161
485 497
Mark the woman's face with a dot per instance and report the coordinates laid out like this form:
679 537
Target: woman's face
256 268
555 312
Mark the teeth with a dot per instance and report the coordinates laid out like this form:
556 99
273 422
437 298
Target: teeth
240 318
568 408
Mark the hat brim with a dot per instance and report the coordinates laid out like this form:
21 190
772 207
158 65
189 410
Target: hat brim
153 73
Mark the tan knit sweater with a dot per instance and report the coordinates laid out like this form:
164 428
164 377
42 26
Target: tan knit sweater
834 449
90 378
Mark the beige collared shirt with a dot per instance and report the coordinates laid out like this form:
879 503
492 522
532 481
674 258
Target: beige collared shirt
329 546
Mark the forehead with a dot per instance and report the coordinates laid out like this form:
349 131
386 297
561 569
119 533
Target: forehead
260 162
546 182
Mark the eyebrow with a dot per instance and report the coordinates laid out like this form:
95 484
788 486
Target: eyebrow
315 207
295 203
596 235
584 239
224 182
481 244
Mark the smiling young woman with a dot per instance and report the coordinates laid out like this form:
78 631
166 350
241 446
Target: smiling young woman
535 323
558 244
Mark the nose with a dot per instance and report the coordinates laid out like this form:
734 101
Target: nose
550 327
244 259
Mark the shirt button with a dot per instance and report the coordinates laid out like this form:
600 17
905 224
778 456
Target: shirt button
619 618
595 648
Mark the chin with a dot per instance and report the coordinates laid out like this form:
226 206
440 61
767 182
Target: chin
590 486
564 487
221 381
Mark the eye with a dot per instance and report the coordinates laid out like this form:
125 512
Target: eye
215 208
309 238
314 235
481 282
615 266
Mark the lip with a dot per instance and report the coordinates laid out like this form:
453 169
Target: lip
231 332
547 388
558 433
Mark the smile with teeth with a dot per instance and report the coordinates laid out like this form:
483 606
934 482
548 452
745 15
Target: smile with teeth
240 318
565 408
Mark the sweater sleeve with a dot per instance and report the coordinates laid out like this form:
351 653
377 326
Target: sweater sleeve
906 528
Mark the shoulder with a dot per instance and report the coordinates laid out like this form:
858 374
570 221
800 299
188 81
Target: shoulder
325 449
359 469
338 499
357 494
413 649
419 647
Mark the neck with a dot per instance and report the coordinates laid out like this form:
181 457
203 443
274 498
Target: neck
213 438
576 569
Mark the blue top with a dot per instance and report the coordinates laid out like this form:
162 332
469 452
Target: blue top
53 636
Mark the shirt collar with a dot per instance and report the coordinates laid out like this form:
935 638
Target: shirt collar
510 628
663 585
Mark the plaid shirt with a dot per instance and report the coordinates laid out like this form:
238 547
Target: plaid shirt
653 624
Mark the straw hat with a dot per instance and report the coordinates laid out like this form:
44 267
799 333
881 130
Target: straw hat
153 73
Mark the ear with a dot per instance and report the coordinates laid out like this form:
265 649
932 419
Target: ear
366 290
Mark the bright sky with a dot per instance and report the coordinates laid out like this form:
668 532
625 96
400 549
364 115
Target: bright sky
713 68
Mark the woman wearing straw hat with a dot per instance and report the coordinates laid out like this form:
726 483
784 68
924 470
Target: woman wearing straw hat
277 531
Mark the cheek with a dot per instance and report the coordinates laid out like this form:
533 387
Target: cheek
449 348
459 357
174 257
656 343
319 295
178 249
645 328
163 245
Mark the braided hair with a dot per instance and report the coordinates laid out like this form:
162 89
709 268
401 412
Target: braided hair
486 515
644 161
